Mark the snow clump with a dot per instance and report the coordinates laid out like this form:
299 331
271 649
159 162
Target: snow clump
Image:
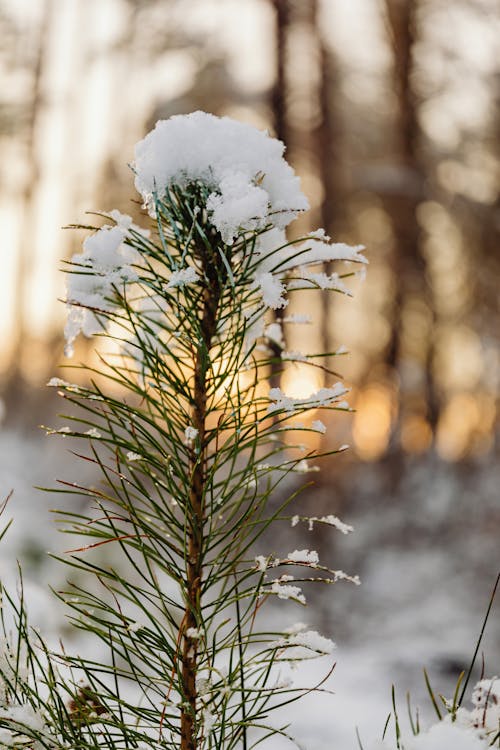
104 264
251 184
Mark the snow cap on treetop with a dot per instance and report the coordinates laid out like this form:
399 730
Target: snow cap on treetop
252 185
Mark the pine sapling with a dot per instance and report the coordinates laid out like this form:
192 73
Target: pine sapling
191 445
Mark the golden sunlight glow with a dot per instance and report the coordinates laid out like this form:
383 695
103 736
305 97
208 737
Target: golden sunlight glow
416 434
300 380
466 424
372 421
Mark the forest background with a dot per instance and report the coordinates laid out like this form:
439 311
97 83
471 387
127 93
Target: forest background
390 111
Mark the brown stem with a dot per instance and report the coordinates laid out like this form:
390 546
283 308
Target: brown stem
196 509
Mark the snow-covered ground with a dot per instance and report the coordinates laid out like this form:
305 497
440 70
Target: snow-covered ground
427 554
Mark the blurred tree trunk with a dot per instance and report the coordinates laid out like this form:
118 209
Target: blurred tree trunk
326 139
14 383
489 274
279 90
402 196
280 122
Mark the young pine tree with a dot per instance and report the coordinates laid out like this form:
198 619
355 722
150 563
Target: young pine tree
190 444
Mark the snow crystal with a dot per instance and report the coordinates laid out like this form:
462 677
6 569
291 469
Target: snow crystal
318 426
313 252
302 467
57 383
285 591
323 397
308 279
261 563
209 720
312 640
334 521
293 357
131 456
274 333
190 435
271 290
182 277
92 432
304 556
252 185
485 716
298 319
194 633
239 204
103 265
135 626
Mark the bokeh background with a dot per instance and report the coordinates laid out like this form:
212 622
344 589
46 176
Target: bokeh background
390 110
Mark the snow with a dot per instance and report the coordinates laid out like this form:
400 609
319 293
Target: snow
271 290
314 251
190 435
182 277
251 184
131 456
311 640
332 520
104 264
298 319
274 332
445 736
311 280
284 590
303 467
318 426
431 580
194 633
322 397
310 557
293 357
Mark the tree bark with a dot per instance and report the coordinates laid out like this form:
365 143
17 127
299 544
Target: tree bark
195 513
